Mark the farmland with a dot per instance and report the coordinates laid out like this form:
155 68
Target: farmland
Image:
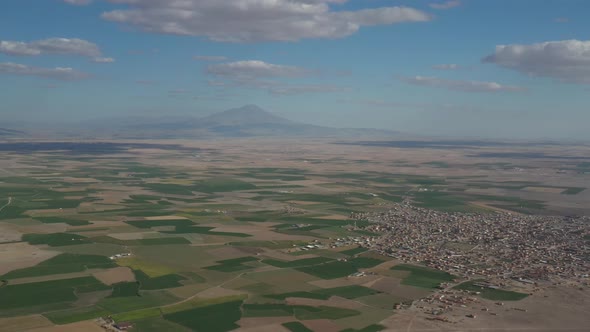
238 237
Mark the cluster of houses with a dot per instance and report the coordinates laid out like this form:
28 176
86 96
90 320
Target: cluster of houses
497 246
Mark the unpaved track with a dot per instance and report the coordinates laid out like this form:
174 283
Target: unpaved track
7 204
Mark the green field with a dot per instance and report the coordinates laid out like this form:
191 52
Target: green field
148 299
232 265
125 289
40 293
296 327
64 263
282 244
297 263
159 223
215 318
573 191
55 220
202 230
423 277
160 282
354 251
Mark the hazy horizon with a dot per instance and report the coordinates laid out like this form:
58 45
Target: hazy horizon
501 69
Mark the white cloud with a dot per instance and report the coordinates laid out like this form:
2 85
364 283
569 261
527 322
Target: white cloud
561 20
255 20
57 73
103 60
567 60
78 2
57 46
456 85
254 69
446 66
265 76
445 5
211 58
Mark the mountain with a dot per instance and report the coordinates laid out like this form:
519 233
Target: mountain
245 121
8 133
244 116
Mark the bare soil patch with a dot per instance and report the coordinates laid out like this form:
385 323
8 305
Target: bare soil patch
215 292
226 253
9 234
333 301
115 275
132 235
393 286
323 325
255 323
20 255
23 323
86 326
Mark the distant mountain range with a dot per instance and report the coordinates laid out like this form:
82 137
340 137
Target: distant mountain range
246 121
8 133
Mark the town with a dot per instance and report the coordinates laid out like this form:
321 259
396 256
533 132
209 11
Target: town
499 247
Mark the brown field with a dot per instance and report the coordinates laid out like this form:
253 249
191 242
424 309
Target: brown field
9 234
394 287
542 314
216 292
20 255
260 325
286 280
50 277
23 323
226 253
333 301
323 325
188 290
87 326
115 275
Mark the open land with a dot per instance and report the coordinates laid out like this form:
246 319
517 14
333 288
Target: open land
271 235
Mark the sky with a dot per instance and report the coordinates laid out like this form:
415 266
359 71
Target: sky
461 68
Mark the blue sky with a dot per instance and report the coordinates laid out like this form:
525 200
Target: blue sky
491 68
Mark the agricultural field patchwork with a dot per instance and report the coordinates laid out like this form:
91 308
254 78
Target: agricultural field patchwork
168 241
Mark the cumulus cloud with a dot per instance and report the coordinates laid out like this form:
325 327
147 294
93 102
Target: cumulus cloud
446 66
57 46
465 86
261 75
566 61
255 20
561 20
103 60
254 69
445 5
57 73
212 58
